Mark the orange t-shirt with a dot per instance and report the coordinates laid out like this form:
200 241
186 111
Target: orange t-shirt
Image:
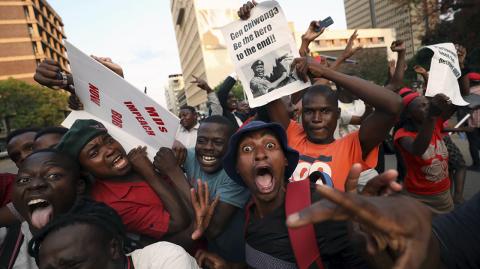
335 158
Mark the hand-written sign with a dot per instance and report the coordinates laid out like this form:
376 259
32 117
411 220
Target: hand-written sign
131 117
444 73
262 49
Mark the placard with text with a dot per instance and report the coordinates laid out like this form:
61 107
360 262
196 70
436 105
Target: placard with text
262 49
131 117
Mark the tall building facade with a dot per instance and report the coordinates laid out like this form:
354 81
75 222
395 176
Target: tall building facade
333 42
30 31
175 93
406 19
200 43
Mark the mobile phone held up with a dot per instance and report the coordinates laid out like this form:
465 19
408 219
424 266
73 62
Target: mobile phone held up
324 24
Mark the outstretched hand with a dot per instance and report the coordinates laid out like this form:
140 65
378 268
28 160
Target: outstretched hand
306 67
139 159
74 102
398 46
48 74
164 160
202 84
107 62
462 54
203 207
398 223
381 185
244 11
311 33
438 104
349 49
420 70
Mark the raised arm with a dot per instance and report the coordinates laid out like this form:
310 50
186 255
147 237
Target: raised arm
424 73
224 90
166 164
396 80
179 217
348 52
277 112
212 99
463 81
418 145
307 38
387 104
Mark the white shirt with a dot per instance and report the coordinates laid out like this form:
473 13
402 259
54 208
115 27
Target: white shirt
24 260
188 137
356 108
162 255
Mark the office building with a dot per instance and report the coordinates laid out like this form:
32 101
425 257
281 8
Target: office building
200 43
407 19
30 31
332 42
175 93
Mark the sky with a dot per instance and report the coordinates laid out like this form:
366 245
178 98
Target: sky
139 35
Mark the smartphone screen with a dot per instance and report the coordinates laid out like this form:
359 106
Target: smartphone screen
324 23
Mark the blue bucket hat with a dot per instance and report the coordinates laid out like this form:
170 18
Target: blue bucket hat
230 159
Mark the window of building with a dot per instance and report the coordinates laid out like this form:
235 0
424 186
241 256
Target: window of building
25 11
30 30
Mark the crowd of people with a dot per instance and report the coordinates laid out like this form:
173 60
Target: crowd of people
297 183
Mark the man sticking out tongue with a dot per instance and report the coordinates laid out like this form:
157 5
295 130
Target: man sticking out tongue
47 185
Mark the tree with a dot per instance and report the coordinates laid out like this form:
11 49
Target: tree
31 105
237 90
371 65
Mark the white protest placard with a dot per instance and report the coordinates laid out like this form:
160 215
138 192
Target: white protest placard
131 117
262 49
444 72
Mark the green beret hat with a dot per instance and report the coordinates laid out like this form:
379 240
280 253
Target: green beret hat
81 132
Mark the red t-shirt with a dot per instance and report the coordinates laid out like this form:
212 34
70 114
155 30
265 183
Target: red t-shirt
6 184
428 174
335 158
138 205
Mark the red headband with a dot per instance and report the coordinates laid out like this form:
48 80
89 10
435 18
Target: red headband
408 95
474 76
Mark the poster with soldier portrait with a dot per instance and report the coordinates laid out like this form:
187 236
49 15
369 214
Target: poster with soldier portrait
262 49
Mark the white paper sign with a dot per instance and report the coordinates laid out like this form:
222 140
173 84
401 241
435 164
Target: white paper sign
131 117
262 49
444 72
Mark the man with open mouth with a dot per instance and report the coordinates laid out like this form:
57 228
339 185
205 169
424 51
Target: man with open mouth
148 205
204 162
260 159
48 184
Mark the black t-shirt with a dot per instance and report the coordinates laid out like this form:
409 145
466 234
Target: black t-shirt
459 235
270 235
